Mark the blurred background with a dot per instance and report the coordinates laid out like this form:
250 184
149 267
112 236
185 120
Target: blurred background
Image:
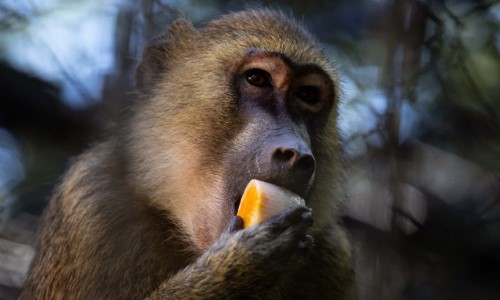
420 117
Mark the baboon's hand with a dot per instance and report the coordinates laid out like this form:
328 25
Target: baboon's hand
278 245
283 236
246 263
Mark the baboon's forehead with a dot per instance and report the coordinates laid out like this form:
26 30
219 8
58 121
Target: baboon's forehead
263 29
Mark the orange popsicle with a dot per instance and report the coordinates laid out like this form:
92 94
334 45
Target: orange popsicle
262 200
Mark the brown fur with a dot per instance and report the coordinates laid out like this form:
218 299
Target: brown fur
144 213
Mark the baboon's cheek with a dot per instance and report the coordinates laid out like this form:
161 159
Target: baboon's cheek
210 222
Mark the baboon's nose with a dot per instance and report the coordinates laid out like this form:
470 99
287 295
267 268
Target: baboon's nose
293 163
297 159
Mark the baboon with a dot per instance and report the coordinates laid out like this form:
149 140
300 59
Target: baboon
150 211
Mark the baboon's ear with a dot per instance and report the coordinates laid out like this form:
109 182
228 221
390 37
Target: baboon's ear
160 52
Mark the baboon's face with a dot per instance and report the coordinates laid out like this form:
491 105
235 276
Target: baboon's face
228 111
277 109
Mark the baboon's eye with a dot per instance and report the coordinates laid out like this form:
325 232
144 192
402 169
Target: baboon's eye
258 78
308 94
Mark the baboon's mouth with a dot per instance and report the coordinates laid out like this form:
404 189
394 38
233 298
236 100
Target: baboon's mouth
236 204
